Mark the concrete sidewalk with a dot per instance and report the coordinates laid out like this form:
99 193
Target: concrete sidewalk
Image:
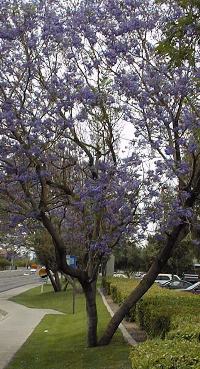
18 324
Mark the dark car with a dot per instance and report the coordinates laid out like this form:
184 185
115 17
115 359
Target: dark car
195 288
192 278
177 285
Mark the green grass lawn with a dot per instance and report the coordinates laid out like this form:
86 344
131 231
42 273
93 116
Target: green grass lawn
59 341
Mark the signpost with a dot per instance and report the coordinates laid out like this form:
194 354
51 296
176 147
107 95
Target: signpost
72 261
43 274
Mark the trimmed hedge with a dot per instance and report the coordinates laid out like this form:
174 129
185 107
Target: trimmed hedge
189 332
156 322
4 263
172 316
160 310
166 354
21 263
119 289
153 320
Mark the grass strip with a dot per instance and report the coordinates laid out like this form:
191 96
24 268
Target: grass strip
59 341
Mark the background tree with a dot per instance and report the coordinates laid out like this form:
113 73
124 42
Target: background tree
181 32
129 257
180 262
45 253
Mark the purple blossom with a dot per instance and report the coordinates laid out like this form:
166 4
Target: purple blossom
192 147
89 73
169 150
183 169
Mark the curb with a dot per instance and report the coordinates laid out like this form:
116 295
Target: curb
3 314
21 285
18 324
124 331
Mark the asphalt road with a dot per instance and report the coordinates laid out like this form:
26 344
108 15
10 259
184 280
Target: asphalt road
15 278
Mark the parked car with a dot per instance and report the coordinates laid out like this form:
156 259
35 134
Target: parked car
176 285
163 278
193 278
195 288
138 275
120 275
33 270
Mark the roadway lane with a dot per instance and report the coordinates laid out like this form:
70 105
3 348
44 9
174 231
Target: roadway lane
13 278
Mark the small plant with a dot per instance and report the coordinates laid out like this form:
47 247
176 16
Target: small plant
4 263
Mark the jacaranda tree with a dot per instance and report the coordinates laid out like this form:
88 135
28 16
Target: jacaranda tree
59 141
71 75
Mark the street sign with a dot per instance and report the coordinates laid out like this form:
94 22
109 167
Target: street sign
71 260
42 273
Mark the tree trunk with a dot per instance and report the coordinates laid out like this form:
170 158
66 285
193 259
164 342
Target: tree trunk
103 268
57 281
177 234
90 295
53 282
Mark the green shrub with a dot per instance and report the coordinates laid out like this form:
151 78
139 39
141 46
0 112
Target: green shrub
166 354
114 293
160 309
21 262
4 263
189 332
106 285
131 316
155 321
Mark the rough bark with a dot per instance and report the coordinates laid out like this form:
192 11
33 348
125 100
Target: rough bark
57 281
175 237
90 296
69 280
53 282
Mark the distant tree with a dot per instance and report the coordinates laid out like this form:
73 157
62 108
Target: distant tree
181 32
150 252
180 261
129 257
4 263
46 255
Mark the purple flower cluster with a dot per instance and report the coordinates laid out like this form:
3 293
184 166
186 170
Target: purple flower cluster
71 77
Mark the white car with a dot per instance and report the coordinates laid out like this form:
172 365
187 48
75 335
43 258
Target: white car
120 275
163 278
33 270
